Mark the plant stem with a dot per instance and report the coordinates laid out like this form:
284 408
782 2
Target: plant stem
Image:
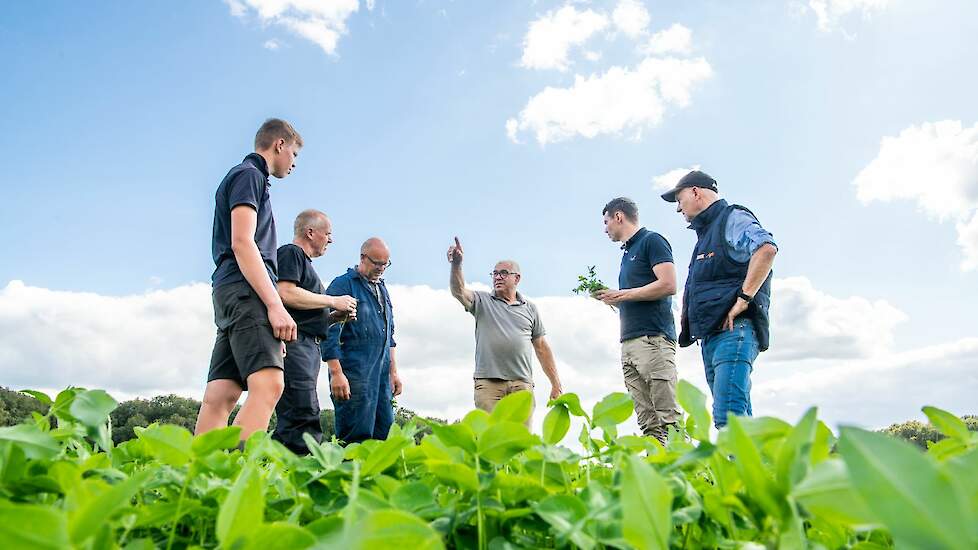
478 506
176 515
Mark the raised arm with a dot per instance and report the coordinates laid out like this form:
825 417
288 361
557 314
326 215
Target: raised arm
457 280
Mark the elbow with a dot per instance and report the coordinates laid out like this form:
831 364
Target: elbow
770 251
670 288
239 245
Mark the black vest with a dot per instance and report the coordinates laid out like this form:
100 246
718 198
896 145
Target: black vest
715 279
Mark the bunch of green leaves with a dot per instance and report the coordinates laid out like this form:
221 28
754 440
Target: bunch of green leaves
589 283
487 482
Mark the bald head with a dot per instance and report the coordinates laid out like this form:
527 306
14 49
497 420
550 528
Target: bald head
375 258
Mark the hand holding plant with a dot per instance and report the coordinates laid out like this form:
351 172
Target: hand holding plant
592 285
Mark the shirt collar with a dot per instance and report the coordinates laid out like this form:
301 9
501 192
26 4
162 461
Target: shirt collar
519 298
356 275
638 235
706 217
259 162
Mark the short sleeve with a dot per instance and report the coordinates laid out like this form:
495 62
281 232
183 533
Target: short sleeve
478 298
290 263
745 235
658 249
536 330
246 188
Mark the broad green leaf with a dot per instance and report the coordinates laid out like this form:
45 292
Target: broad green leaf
614 409
243 510
394 530
949 424
477 420
515 407
555 425
62 404
514 488
566 515
947 448
505 440
455 435
905 490
32 527
961 470
39 395
747 460
646 503
572 402
280 536
92 407
328 454
170 444
85 521
827 492
223 438
693 402
34 443
460 475
794 457
412 497
384 455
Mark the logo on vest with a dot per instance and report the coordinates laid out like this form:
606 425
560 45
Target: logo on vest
705 256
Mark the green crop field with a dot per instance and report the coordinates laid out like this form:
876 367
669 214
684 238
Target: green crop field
487 482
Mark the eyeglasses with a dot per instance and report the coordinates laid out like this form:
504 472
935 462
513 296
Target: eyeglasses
502 273
384 265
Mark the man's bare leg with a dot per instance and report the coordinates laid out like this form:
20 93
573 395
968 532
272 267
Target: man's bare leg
264 389
220 396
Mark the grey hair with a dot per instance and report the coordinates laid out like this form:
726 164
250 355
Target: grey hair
310 218
514 263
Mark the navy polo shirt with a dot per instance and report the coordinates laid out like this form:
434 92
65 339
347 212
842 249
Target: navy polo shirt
645 250
294 265
246 183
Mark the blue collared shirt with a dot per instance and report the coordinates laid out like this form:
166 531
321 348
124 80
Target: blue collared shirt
369 337
745 235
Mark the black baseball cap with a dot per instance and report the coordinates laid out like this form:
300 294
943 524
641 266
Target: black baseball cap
692 179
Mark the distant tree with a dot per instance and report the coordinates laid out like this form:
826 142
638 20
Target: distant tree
16 407
922 434
165 409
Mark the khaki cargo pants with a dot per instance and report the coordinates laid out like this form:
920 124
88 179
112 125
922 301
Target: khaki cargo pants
488 392
649 366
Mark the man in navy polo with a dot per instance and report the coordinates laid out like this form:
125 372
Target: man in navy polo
647 281
360 354
252 323
728 290
306 300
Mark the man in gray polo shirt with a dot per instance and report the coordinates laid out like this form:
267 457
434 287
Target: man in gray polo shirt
507 327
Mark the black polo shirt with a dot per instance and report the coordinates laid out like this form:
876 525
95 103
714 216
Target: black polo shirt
245 184
645 250
294 265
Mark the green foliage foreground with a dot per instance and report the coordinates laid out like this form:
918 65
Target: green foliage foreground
486 482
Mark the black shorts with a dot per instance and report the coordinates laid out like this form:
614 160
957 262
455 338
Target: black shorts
245 343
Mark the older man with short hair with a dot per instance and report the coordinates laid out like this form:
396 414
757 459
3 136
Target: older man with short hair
305 298
360 354
507 327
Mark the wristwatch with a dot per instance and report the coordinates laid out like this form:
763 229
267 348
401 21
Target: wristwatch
744 296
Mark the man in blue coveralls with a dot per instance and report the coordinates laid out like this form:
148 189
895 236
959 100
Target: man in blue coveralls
360 354
728 290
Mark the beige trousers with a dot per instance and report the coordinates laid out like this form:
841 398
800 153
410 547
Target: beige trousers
649 366
488 391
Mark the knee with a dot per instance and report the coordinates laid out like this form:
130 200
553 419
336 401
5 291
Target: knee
269 389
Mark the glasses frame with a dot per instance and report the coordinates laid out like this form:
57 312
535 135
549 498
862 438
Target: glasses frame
376 263
502 274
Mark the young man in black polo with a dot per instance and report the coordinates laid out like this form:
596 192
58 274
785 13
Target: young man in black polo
647 281
252 323
305 299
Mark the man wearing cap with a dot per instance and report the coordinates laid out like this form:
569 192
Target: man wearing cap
728 290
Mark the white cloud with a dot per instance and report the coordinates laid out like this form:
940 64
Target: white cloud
671 178
677 39
371 4
321 21
272 45
833 352
935 165
631 18
622 100
829 13
553 34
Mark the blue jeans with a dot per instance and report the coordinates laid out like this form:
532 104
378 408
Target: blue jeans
728 358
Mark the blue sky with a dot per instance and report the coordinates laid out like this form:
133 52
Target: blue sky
122 118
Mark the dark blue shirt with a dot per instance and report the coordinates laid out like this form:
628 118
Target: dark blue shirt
645 250
246 183
294 265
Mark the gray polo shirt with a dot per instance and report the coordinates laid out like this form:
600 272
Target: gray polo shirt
503 334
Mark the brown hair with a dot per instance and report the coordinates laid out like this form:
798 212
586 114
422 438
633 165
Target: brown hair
273 130
625 205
